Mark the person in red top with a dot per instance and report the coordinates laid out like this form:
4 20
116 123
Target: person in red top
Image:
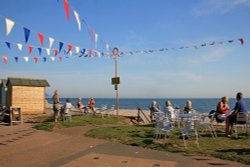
222 106
92 105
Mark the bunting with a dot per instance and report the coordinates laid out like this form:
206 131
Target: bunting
4 59
41 38
69 48
77 20
26 34
44 59
26 59
35 59
8 44
241 41
30 49
77 50
66 7
60 46
40 51
60 58
53 58
96 39
56 52
51 41
16 59
20 46
9 25
48 51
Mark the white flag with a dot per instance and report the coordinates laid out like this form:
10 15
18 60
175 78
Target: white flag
51 41
53 58
77 19
77 49
9 25
20 46
107 47
70 53
26 59
48 51
96 39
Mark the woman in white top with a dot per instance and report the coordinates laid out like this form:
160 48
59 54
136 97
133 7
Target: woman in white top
169 110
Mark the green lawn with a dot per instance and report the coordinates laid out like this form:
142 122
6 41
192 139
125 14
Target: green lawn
47 123
142 136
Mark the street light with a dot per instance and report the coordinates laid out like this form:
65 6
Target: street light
116 80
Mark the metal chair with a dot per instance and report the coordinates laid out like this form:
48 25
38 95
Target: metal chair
189 131
204 123
242 121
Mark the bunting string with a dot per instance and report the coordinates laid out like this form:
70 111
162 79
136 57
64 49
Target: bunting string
213 43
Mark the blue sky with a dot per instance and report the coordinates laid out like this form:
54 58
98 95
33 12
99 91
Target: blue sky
212 71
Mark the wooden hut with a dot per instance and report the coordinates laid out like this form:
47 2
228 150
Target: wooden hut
29 94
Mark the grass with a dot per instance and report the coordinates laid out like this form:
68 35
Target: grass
142 136
47 123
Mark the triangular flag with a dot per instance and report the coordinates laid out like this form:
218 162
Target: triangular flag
69 48
107 47
77 20
66 7
97 54
8 44
212 43
77 49
60 46
4 59
241 41
16 59
26 59
20 46
41 38
26 34
39 50
91 32
230 41
44 59
48 51
53 58
56 52
30 49
90 52
51 41
60 58
35 59
203 45
96 40
9 25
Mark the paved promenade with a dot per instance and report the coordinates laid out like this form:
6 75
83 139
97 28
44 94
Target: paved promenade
23 146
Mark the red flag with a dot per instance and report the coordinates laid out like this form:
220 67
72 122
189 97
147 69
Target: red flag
66 7
91 31
35 59
56 52
90 52
40 36
30 49
60 58
5 59
241 41
69 48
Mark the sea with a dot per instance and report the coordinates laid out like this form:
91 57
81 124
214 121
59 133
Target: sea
199 104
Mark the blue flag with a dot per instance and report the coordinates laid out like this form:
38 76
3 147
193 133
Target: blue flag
8 44
16 59
26 34
40 51
60 46
44 59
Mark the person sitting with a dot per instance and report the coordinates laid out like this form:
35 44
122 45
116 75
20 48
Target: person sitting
66 109
169 110
153 109
81 106
240 107
222 109
92 105
188 109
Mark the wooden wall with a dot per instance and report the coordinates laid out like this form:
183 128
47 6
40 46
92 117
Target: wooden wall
30 99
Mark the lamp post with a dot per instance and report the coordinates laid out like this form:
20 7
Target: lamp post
117 79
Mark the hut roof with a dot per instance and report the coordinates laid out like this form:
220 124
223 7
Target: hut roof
27 82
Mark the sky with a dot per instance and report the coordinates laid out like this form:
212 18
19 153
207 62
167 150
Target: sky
130 25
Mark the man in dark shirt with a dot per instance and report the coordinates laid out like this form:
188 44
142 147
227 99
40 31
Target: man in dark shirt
240 107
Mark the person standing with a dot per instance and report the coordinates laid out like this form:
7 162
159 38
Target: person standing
56 105
240 107
92 105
